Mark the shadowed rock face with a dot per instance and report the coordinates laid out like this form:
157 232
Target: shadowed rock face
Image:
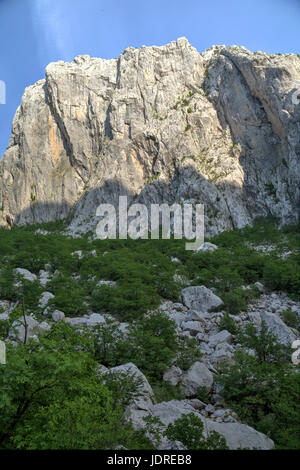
161 124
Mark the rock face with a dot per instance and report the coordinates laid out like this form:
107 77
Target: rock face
160 124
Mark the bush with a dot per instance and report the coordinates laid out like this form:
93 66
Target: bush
154 344
234 301
227 323
188 352
290 318
69 295
189 430
151 343
282 275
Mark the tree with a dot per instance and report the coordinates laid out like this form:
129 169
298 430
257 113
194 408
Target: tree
52 398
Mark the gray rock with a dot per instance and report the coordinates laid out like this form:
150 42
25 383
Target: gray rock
196 404
193 315
4 316
26 274
44 326
255 318
284 334
104 282
173 375
219 413
223 352
237 435
222 337
200 298
145 393
76 321
177 317
197 376
260 286
18 328
44 277
209 408
57 316
95 319
205 349
44 299
201 337
207 246
194 327
240 436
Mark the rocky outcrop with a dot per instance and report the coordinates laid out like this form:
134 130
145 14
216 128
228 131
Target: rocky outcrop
236 435
159 124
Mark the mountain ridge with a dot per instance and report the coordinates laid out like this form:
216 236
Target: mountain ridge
158 124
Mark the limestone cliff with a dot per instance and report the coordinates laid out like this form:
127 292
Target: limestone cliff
161 124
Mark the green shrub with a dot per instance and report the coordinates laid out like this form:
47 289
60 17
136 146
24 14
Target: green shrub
151 345
188 352
227 323
290 318
189 430
234 302
282 275
69 295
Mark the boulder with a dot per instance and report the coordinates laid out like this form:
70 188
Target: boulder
240 436
283 333
145 395
206 246
194 327
104 282
26 274
197 376
44 277
223 352
200 298
237 435
259 286
44 299
4 316
44 326
57 316
173 375
18 328
95 319
76 321
222 337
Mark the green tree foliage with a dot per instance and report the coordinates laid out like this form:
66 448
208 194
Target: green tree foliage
51 397
189 430
264 389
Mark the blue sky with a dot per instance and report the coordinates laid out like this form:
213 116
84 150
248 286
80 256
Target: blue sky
36 32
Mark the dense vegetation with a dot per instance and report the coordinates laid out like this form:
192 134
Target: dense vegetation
144 270
50 393
264 389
